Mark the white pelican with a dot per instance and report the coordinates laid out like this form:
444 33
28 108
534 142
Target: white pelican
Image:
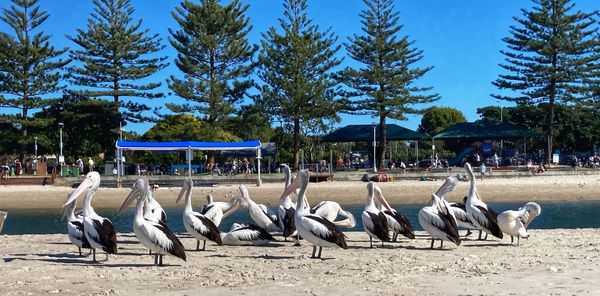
330 210
374 221
514 223
217 210
98 230
196 224
482 216
152 209
154 235
261 217
242 234
315 229
75 227
457 209
397 222
436 218
287 208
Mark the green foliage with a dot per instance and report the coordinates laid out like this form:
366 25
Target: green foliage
29 65
549 58
87 127
116 55
215 57
297 67
436 119
384 83
252 123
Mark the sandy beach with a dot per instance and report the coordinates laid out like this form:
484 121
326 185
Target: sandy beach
551 262
538 188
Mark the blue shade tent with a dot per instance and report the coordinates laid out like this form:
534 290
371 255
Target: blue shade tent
189 146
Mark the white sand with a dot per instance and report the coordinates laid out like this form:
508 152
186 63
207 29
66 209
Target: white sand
551 262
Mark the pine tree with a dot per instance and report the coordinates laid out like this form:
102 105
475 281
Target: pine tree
297 67
383 86
549 58
215 57
116 54
29 65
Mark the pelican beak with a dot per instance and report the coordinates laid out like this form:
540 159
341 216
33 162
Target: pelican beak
64 216
135 192
382 200
295 185
85 184
184 188
231 210
533 216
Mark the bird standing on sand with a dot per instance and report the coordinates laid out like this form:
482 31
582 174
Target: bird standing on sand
154 235
482 216
374 221
196 224
75 227
315 229
514 223
98 230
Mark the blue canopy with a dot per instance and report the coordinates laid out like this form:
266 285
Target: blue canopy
188 145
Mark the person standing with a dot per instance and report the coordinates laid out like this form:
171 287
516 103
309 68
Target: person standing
90 164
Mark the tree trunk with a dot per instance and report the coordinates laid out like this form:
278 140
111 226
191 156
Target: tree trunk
381 147
550 129
296 150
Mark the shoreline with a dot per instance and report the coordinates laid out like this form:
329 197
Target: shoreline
550 262
540 188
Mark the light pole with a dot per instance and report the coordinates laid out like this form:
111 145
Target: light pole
374 148
35 146
61 158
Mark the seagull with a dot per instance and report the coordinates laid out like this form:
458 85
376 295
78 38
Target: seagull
315 229
98 230
154 235
482 216
514 223
196 224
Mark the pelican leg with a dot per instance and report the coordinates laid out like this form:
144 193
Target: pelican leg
106 259
382 244
371 239
320 249
432 241
149 252
160 262
479 238
155 259
468 232
512 239
94 259
314 252
204 246
441 244
485 238
197 245
518 240
395 237
79 252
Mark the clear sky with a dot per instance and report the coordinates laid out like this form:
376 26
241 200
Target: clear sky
461 39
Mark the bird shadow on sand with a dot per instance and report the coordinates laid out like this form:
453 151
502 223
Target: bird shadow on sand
490 244
378 246
74 259
60 243
435 248
268 257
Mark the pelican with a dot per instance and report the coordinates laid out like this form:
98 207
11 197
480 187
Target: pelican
287 208
261 217
154 235
152 209
437 220
482 216
457 208
75 227
330 210
374 221
315 229
396 221
217 210
241 234
514 223
98 230
196 224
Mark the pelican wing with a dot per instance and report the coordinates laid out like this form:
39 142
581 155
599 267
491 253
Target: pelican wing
105 235
490 222
205 208
251 232
406 227
75 230
289 225
206 227
316 208
377 224
444 222
326 230
159 234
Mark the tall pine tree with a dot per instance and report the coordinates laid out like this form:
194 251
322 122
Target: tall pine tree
549 58
115 55
215 57
384 84
29 65
297 67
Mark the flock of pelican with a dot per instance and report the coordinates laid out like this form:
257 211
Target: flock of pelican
318 226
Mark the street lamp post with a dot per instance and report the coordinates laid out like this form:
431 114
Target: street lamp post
35 146
374 148
61 158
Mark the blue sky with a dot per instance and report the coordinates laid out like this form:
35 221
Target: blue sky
461 39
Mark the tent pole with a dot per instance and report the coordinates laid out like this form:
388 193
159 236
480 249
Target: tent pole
417 153
118 164
330 160
258 158
189 162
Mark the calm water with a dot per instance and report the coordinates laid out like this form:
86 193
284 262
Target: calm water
568 214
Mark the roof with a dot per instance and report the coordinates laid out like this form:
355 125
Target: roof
193 145
267 149
364 132
486 130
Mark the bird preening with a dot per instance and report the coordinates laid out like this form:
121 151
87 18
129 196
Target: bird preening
318 226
